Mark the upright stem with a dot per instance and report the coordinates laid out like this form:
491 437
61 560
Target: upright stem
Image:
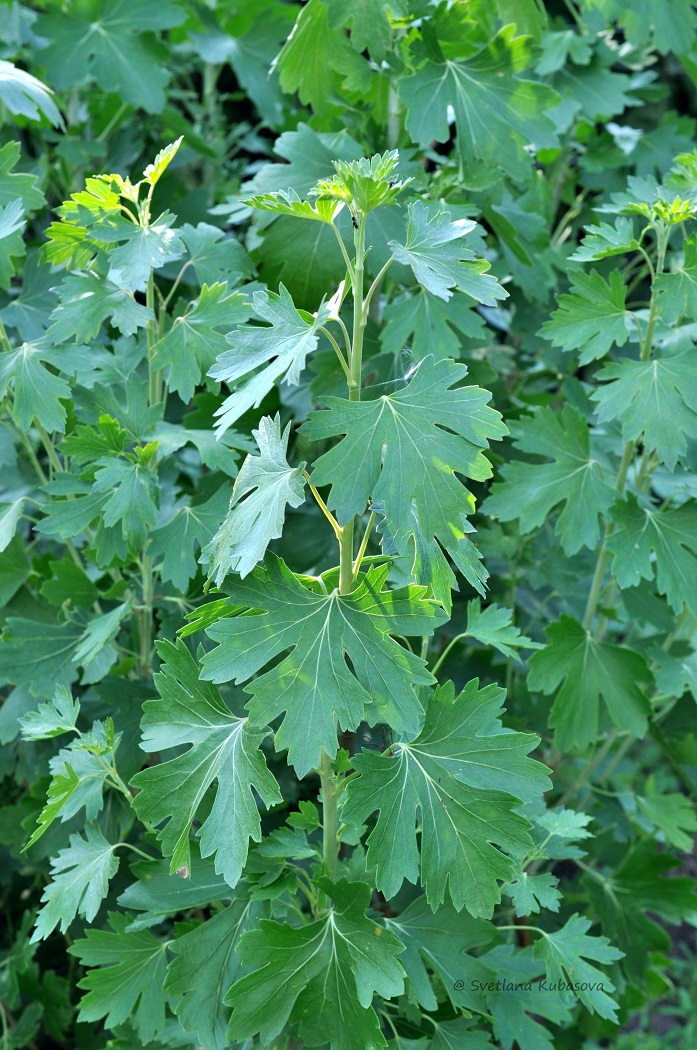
330 843
151 335
145 617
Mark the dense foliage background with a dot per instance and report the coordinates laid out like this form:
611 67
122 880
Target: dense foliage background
577 592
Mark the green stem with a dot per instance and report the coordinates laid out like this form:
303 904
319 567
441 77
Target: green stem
330 819
362 549
590 769
145 616
151 335
604 554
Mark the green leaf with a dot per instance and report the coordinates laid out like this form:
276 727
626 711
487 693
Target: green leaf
156 894
86 302
639 884
81 875
447 773
79 778
369 22
314 685
589 670
287 202
322 976
530 893
655 400
23 94
648 542
213 256
264 487
205 965
439 941
401 452
154 172
37 391
566 953
53 719
282 348
592 318
98 636
38 655
195 339
493 627
440 262
223 748
605 240
133 486
11 217
310 155
677 291
530 491
143 248
127 981
105 42
177 540
430 326
497 113
673 814
10 517
366 183
309 58
15 184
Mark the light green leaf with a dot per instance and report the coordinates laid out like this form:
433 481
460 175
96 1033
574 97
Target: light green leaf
81 875
100 633
282 348
565 953
324 974
592 318
23 94
654 400
531 491
10 517
127 977
154 172
195 339
264 487
493 627
434 251
11 217
223 748
287 202
605 240
314 684
588 670
56 717
447 773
